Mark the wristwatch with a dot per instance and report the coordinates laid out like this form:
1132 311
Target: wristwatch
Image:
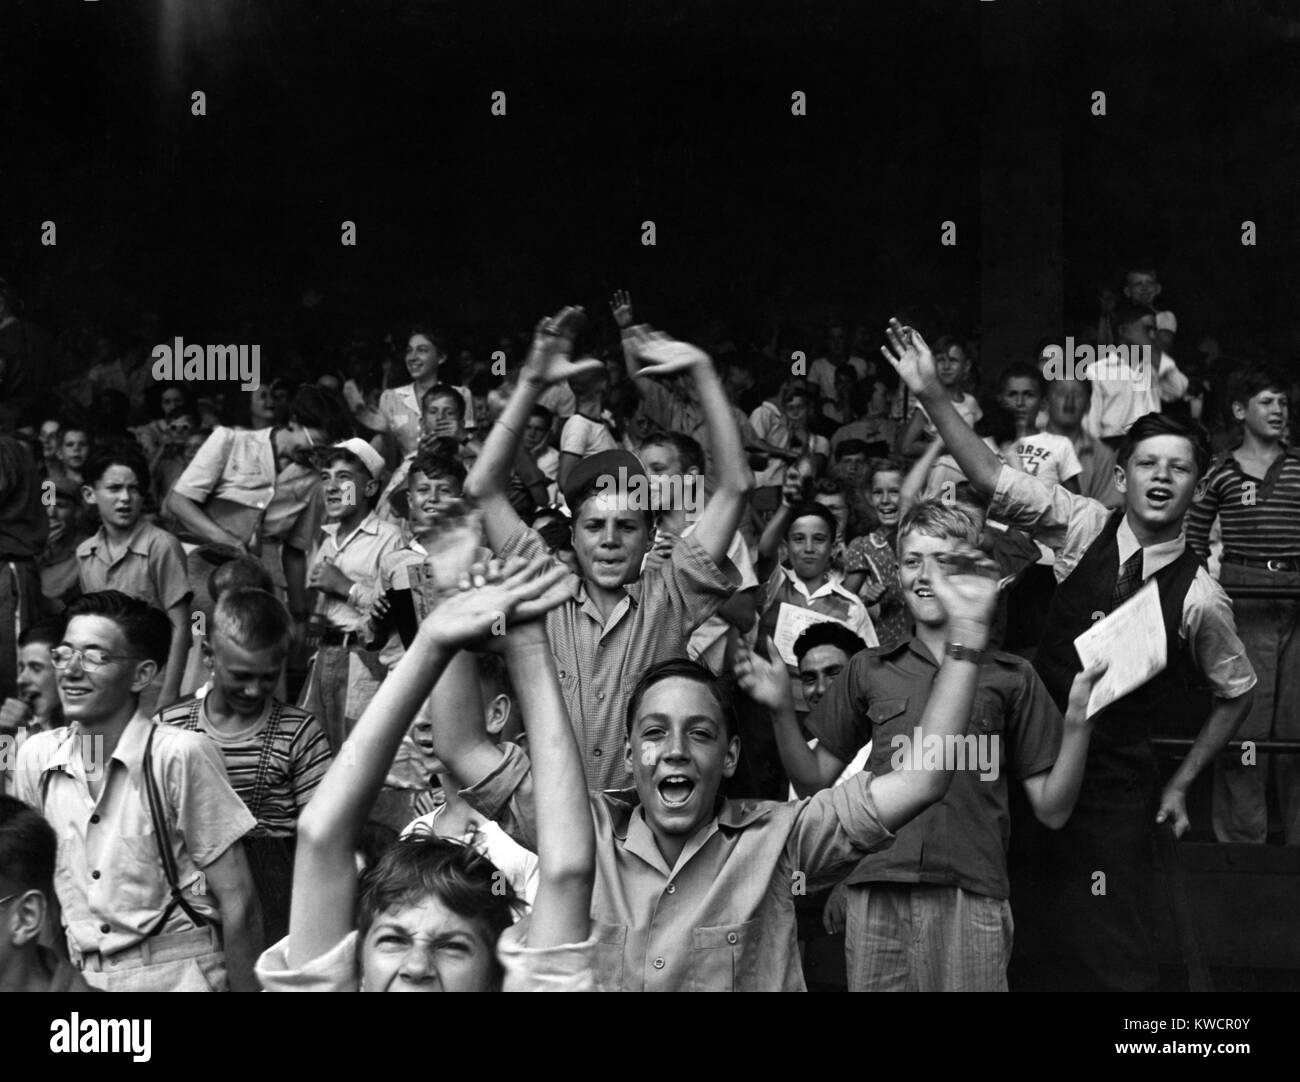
966 653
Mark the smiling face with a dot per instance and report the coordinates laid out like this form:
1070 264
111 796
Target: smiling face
609 541
1264 416
422 357
442 417
118 497
818 668
809 541
345 486
678 752
1159 484
426 947
1141 287
245 678
886 485
38 683
430 499
918 554
96 695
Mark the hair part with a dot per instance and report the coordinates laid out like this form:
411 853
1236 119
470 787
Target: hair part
680 668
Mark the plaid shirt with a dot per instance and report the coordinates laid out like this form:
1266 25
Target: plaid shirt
599 662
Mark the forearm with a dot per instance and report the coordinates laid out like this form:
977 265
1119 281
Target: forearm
770 543
294 562
491 473
973 455
740 610
914 483
1054 797
242 940
197 521
459 737
1223 721
566 844
731 463
798 759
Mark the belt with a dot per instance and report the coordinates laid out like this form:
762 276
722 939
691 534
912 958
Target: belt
332 636
153 951
1275 564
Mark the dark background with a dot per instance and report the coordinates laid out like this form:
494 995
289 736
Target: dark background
377 111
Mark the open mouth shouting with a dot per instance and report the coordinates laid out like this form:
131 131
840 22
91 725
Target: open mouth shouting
675 791
1160 497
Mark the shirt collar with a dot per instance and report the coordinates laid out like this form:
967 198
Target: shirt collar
1154 557
369 524
129 751
133 542
830 586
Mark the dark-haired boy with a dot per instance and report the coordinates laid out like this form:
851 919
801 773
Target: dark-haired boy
1045 455
27 853
1133 381
344 570
615 626
130 554
1073 936
697 893
36 708
134 923
1254 490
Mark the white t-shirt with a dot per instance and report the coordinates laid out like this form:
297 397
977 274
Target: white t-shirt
582 436
514 861
1049 457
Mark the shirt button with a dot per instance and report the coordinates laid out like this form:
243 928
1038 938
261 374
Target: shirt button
1098 615
672 888
94 875
732 938
659 963
105 928
596 752
94 818
600 695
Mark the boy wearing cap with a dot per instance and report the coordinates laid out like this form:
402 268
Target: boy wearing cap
344 570
617 624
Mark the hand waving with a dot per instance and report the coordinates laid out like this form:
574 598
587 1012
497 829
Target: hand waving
620 306
493 598
968 591
548 361
663 355
911 358
766 682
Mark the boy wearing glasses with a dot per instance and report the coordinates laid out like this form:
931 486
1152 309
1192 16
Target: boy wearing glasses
153 908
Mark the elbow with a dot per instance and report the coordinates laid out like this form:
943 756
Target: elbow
476 487
1053 820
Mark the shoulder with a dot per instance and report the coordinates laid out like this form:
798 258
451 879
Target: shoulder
39 748
178 713
88 546
1205 595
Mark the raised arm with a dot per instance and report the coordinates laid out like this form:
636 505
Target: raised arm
968 601
324 872
769 544
914 363
914 483
718 523
566 839
1052 793
548 363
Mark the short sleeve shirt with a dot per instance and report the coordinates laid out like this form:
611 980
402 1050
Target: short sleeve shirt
150 567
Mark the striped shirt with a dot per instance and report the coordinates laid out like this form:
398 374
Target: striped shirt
274 765
1260 517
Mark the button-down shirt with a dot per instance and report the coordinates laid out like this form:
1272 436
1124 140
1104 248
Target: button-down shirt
1068 524
881 697
599 661
1128 392
151 566
108 874
357 556
723 918
234 475
829 599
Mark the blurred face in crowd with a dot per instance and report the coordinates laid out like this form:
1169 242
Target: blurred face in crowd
261 407
172 400
886 486
610 539
1141 287
795 410
345 486
678 752
1159 483
442 417
918 554
809 542
879 404
430 499
837 505
118 496
845 380
296 443
422 358
74 448
38 684
1021 396
952 367
61 513
852 469
663 465
836 342
1141 332
818 668
1067 402
1265 415
536 432
50 439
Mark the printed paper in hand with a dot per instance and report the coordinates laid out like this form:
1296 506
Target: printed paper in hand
791 621
1132 641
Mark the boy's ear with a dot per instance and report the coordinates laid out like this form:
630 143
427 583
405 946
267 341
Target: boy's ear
497 714
1239 411
88 494
1121 479
26 920
145 671
732 758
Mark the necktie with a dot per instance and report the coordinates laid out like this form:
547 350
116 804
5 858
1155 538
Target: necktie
1129 581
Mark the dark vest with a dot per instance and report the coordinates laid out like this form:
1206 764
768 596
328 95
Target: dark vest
1163 704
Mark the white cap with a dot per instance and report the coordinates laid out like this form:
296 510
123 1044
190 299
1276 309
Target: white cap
370 458
1166 321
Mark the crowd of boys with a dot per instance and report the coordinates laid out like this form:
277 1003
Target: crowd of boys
280 690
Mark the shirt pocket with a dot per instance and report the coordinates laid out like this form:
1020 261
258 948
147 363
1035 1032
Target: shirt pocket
138 878
719 960
987 715
886 711
611 942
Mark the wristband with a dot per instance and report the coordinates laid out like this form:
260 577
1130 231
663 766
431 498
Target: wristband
966 653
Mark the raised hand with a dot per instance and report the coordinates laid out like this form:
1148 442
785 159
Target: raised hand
548 361
766 682
662 355
911 358
1081 691
620 306
967 588
494 597
791 489
872 592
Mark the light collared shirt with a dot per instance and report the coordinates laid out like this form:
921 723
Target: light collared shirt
768 424
108 874
151 566
1129 393
829 599
400 413
357 556
1068 525
236 477
723 917
599 661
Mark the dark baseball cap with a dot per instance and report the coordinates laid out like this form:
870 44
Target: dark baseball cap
619 466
